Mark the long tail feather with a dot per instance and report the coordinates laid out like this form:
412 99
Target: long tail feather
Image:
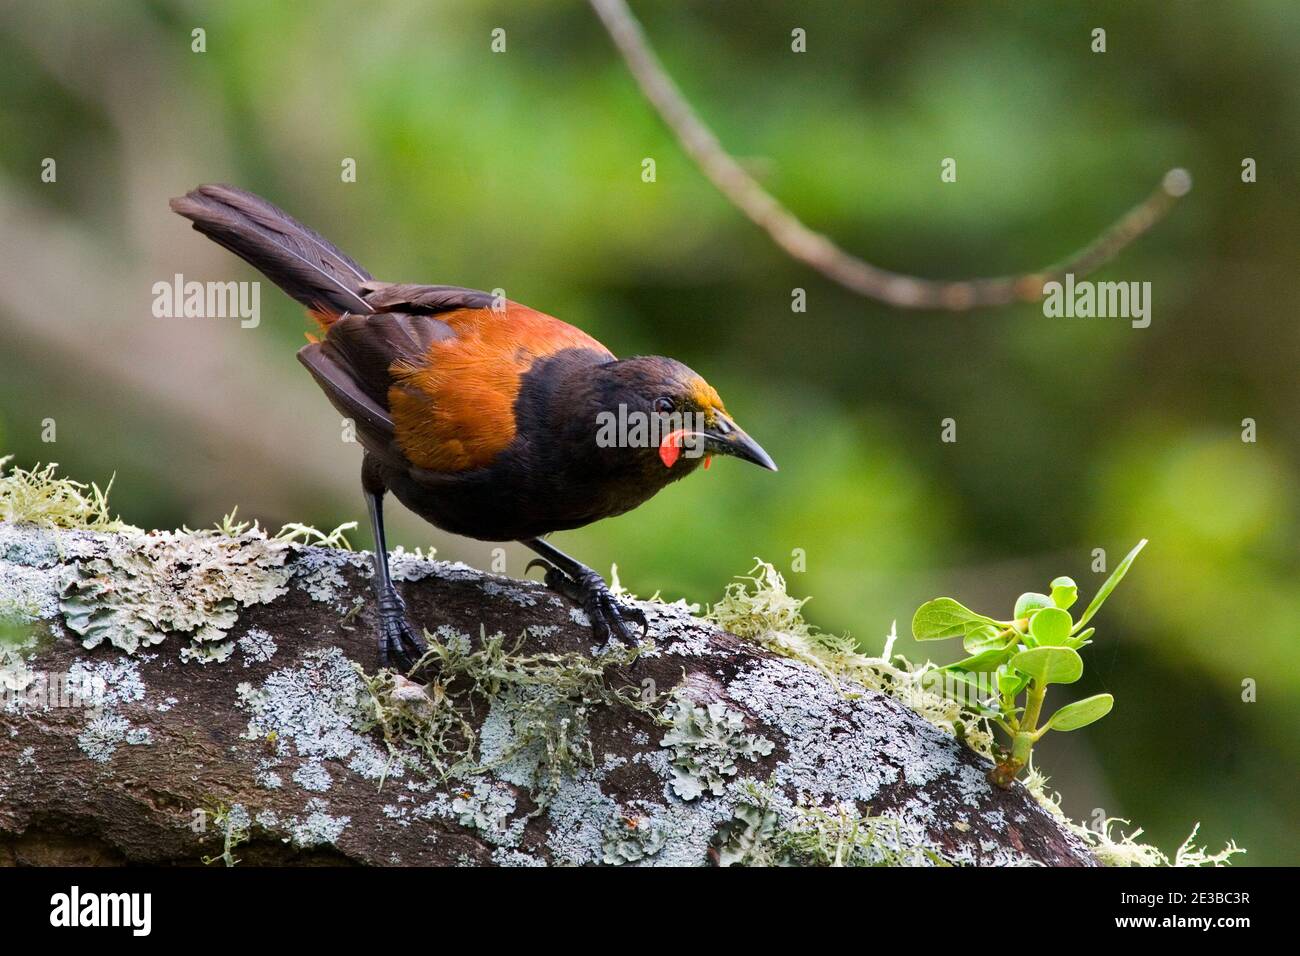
297 259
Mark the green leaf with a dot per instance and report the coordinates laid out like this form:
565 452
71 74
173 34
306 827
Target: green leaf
1029 602
1011 683
1082 712
1080 639
981 637
1111 583
983 662
1050 665
1050 626
943 618
1064 592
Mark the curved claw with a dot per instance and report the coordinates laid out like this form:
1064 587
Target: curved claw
539 563
608 616
398 641
638 615
578 592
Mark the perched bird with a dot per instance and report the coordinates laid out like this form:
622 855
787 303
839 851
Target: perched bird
482 416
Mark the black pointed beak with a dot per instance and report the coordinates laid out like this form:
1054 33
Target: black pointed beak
728 438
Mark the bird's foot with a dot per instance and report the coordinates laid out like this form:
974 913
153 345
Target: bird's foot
399 644
588 590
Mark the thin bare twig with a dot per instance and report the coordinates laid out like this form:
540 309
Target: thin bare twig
820 252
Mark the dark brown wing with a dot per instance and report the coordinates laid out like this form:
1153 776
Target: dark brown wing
423 299
354 363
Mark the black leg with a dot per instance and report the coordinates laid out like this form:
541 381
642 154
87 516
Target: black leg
398 642
583 586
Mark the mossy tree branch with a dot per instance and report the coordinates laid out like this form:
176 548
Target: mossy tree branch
277 743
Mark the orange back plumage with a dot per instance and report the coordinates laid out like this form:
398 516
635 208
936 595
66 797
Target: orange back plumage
455 410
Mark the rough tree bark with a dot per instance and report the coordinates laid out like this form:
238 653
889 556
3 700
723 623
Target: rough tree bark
271 736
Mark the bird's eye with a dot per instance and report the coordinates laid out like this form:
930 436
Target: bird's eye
664 405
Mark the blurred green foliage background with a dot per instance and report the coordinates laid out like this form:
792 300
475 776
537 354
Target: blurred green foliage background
522 171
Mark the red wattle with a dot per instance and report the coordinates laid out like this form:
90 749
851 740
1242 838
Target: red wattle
670 449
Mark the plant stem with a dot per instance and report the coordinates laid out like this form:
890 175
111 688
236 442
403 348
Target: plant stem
1023 742
1033 707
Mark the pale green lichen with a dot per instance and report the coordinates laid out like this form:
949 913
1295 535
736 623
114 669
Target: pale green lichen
135 590
103 687
232 825
313 776
583 819
316 569
1122 849
306 534
414 565
317 828
216 651
416 721
102 736
319 572
107 683
759 607
765 832
577 815
506 856
842 837
258 647
41 498
486 808
541 706
706 743
293 533
631 840
31 575
16 639
842 746
229 525
314 711
174 583
749 837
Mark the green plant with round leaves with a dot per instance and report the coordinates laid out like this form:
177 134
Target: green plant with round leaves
1021 658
